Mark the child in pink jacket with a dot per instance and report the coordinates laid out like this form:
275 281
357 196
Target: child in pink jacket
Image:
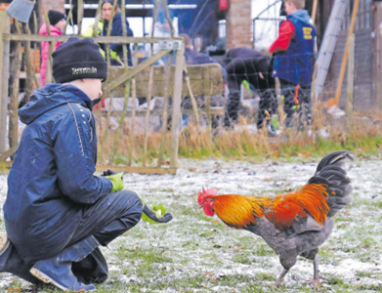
57 21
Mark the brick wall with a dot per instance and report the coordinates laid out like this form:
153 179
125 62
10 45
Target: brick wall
48 5
239 24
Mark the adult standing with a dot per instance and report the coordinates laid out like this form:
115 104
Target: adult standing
116 49
294 59
116 29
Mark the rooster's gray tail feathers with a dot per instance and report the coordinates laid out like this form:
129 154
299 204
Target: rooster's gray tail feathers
329 171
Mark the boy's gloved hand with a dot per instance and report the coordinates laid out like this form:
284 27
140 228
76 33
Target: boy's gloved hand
108 172
117 181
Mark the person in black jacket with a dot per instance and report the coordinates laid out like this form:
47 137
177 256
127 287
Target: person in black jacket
254 67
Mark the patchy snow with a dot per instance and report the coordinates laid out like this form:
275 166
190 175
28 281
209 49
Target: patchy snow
195 253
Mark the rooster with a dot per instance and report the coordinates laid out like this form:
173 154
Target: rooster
292 224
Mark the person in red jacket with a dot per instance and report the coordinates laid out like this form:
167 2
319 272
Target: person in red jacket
57 22
294 59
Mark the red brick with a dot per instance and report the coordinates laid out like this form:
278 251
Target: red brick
239 24
46 5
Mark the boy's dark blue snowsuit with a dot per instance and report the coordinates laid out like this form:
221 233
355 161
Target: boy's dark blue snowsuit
55 205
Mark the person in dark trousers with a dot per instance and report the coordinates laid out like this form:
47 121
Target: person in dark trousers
116 28
293 63
57 213
255 68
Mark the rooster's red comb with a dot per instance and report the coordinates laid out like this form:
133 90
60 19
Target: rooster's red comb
204 193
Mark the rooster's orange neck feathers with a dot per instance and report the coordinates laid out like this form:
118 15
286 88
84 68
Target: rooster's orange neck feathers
241 211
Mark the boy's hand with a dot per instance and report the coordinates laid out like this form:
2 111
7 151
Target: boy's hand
108 173
117 181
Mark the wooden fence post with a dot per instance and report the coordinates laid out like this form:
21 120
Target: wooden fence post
192 97
80 16
176 109
207 86
346 53
350 85
132 120
150 87
168 74
5 28
49 70
13 133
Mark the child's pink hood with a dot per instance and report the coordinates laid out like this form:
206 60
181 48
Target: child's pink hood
54 31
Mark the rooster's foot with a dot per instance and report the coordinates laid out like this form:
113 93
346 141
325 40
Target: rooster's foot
316 281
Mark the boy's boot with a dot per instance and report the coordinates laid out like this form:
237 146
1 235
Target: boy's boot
5 251
11 262
57 270
92 269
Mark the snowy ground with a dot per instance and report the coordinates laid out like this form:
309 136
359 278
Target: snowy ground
195 253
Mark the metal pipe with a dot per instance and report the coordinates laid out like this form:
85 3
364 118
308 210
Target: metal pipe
140 6
266 9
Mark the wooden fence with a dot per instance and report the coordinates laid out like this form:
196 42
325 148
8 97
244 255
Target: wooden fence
174 80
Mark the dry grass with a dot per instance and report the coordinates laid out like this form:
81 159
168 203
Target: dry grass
363 138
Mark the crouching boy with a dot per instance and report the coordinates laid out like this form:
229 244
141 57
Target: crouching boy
57 212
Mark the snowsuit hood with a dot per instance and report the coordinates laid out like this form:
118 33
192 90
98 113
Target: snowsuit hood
53 30
302 15
50 97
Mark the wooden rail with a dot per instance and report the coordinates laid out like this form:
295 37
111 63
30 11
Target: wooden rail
196 75
126 169
146 81
104 40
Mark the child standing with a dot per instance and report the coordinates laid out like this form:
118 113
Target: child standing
57 212
57 22
294 59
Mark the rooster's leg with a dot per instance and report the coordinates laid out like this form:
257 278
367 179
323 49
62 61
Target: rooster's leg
316 271
281 278
287 259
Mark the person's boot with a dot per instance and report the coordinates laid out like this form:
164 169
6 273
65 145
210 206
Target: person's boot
271 131
92 269
11 262
57 270
5 252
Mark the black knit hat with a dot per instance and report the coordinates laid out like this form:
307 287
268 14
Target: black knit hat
55 16
78 59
